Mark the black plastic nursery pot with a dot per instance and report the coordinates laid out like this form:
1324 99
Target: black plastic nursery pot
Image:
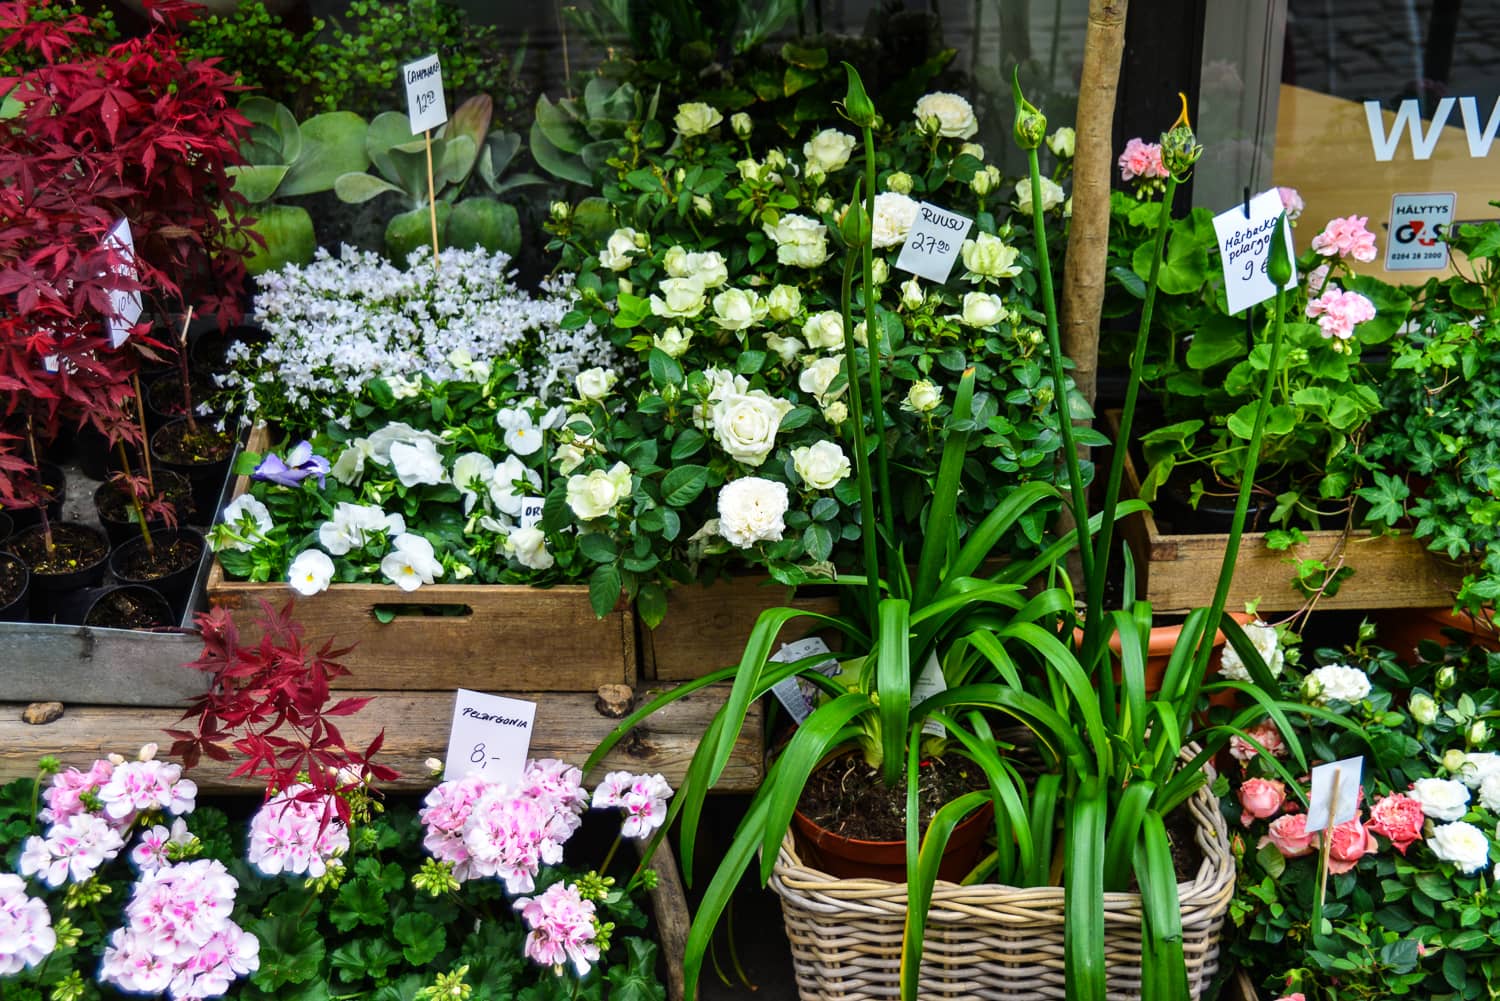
117 606
170 566
1214 514
117 516
209 348
6 527
79 560
164 400
203 457
56 483
15 588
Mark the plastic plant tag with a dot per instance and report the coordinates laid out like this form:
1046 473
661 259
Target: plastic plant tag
424 94
933 243
491 734
1335 788
124 307
1245 249
531 511
796 696
929 683
1418 225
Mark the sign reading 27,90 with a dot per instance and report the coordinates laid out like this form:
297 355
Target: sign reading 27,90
933 242
424 94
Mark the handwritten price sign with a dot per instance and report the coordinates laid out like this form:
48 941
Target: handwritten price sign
1245 249
490 734
933 243
424 94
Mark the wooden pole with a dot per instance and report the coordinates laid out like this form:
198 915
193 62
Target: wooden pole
1327 846
431 201
140 413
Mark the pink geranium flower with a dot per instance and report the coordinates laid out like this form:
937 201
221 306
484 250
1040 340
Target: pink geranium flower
1346 237
1291 202
64 798
1338 312
562 928
1141 160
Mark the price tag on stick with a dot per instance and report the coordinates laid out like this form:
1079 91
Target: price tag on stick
1334 800
427 110
491 734
1245 250
124 307
797 700
933 243
531 511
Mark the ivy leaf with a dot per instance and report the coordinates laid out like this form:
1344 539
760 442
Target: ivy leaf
421 937
291 951
1385 498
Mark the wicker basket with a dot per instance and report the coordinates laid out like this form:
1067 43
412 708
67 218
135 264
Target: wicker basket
985 941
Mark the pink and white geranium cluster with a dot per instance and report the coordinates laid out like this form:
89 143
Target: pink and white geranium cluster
562 928
26 935
296 834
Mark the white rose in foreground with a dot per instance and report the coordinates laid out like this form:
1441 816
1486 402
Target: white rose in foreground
1266 643
1062 142
1337 681
598 493
695 118
529 546
707 268
594 383
246 522
1478 767
619 249
680 298
988 256
982 309
672 342
503 494
800 241
355 526
1489 793
824 330
784 302
836 413
947 115
923 397
819 375
751 510
411 563
417 463
1052 195
1462 844
1441 799
310 573
736 309
894 215
828 150
721 383
821 465
745 425
568 456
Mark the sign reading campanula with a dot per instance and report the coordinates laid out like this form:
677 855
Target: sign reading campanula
1418 223
424 94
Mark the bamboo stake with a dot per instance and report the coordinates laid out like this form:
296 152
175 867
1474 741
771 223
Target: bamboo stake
182 364
431 201
140 414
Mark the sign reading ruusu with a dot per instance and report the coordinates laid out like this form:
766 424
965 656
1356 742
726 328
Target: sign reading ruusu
1479 132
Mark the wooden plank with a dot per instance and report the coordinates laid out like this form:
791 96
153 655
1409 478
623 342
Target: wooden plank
707 626
41 662
416 724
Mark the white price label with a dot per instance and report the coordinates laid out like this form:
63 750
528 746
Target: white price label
124 307
929 683
797 696
933 243
1418 225
1245 250
491 734
1331 802
424 94
531 512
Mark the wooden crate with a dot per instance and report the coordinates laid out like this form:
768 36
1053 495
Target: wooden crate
706 626
416 724
491 637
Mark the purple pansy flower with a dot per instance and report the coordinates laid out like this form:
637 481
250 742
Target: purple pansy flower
300 463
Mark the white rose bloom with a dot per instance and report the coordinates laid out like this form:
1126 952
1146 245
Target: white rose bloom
742 124
821 465
721 383
411 563
823 205
529 547
675 261
310 573
673 342
986 180
894 215
569 457
1052 195
736 309
1337 681
1441 799
751 510
819 375
749 169
417 463
680 298
349 467
1062 142
988 256
695 118
1266 643
1489 793
354 526
836 413
470 469
707 268
1462 844
598 493
947 115
619 249
745 425
912 295
594 383
786 348
800 241
828 150
1477 767
923 397
982 309
824 330
972 149
880 271
246 521
503 495
784 302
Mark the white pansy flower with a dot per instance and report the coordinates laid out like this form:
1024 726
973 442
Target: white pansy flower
310 573
595 383
800 241
745 425
695 119
464 364
818 375
988 256
784 302
982 310
403 388
824 330
1337 681
1052 195
1441 799
894 215
737 309
619 249
417 463
828 150
680 298
471 474
503 494
946 115
355 526
786 348
522 436
529 547
673 341
821 465
598 493
411 562
349 467
246 522
1266 642
923 397
1462 844
752 510
396 433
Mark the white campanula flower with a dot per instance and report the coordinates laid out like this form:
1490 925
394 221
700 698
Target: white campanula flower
821 465
680 298
745 425
752 510
784 302
923 397
504 496
471 474
245 523
310 573
828 150
1462 844
824 330
1441 799
26 933
1266 642
1052 195
989 257
818 376
737 309
673 341
529 547
355 526
417 463
946 115
597 493
619 249
594 383
800 241
1339 681
411 562
982 310
894 215
695 119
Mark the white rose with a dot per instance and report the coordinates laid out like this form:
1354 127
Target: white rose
786 348
912 296
708 268
619 249
529 546
800 241
894 215
1477 767
1441 799
695 118
503 495
836 413
411 563
745 425
1062 142
417 463
246 521
680 298
736 309
1489 793
988 256
311 572
741 124
823 205
1052 195
598 493
1266 643
819 375
946 115
675 261
1337 681
985 180
471 473
568 457
749 169
923 397
751 510
1462 844
673 341
982 309
821 465
828 150
594 383
824 330
880 271
784 302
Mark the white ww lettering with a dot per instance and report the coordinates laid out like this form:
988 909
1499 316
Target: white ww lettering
1480 133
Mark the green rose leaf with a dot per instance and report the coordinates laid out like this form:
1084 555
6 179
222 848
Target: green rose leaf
818 541
682 485
598 547
604 589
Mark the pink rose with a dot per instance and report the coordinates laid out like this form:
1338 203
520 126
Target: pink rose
1293 997
1260 798
1289 834
1348 845
1265 734
1337 312
1143 160
1346 237
1398 818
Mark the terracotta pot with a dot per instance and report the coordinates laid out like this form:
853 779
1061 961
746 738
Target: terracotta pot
853 858
1159 646
1401 629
